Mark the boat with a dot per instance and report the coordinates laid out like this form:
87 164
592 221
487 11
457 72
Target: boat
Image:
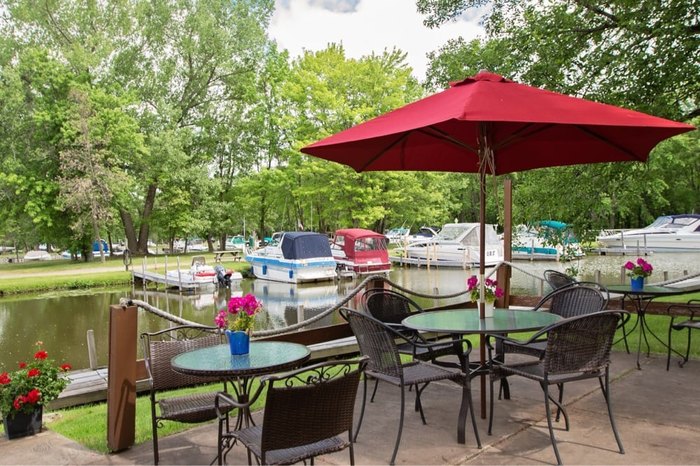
668 233
422 234
397 235
360 252
296 258
202 275
37 256
457 245
545 240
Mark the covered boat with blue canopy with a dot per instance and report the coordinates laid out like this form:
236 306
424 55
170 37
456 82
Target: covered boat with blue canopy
297 258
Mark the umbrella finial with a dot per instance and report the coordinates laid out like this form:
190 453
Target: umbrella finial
483 75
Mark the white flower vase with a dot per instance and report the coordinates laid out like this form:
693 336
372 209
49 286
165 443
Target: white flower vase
488 309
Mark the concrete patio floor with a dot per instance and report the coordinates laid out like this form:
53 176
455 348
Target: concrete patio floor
657 414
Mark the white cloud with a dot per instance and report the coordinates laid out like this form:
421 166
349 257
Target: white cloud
363 27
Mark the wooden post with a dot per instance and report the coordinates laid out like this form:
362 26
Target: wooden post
504 273
121 377
92 353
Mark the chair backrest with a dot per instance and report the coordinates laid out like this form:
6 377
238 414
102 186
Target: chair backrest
376 341
557 279
310 404
576 299
160 347
388 306
581 343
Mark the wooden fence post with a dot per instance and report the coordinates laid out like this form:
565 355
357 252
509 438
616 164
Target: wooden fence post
121 377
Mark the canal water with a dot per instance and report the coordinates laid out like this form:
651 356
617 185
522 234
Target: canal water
62 319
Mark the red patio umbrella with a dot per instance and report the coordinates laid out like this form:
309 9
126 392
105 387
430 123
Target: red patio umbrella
487 124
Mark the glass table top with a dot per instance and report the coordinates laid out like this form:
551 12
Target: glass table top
467 321
264 357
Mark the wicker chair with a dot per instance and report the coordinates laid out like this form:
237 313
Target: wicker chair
577 348
306 412
557 279
378 341
571 300
158 349
391 308
693 323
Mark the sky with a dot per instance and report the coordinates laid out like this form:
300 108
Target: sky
363 27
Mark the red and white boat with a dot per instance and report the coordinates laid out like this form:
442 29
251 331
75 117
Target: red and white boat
360 252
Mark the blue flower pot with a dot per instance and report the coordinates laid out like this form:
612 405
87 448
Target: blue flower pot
637 283
239 341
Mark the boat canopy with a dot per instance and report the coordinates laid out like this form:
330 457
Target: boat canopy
305 245
357 241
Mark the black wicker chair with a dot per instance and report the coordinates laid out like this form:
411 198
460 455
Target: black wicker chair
306 412
158 349
578 348
557 279
693 323
391 308
378 341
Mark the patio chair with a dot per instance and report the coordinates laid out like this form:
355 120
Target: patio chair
557 279
578 348
391 308
692 323
306 413
158 349
378 341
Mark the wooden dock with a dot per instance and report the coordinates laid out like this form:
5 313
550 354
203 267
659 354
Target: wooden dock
410 261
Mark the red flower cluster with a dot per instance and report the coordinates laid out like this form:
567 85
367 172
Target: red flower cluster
34 383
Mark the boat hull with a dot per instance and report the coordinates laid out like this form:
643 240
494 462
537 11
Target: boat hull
292 271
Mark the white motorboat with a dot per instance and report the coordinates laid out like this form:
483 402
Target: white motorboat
457 244
545 240
285 304
398 235
668 233
296 258
201 275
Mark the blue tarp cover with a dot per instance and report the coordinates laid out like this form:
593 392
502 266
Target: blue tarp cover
305 245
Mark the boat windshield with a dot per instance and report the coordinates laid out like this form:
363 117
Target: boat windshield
372 243
451 232
672 223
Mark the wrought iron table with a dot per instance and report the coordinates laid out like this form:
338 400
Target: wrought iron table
466 321
641 299
265 357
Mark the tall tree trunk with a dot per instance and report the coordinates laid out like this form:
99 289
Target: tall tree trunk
129 231
146 218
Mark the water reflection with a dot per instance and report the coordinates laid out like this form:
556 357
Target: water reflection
62 320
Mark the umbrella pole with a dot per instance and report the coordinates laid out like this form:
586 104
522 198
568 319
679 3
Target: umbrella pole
482 273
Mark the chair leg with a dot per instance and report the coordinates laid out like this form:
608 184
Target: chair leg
374 392
352 449
606 394
154 427
687 349
398 436
362 411
548 411
668 346
560 386
419 405
490 404
471 410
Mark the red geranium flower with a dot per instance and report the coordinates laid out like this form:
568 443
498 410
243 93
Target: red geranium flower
33 372
22 365
65 367
41 355
19 401
33 396
5 378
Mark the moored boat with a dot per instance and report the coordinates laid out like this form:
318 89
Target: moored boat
456 245
668 233
545 240
296 258
359 252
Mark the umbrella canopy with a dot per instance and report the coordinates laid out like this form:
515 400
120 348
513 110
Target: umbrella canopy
487 124
525 128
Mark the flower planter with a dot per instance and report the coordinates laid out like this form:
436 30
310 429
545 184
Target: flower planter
23 424
239 341
637 283
488 309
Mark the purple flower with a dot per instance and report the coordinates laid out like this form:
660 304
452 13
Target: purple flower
629 265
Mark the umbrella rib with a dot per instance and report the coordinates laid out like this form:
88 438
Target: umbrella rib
624 150
401 138
435 132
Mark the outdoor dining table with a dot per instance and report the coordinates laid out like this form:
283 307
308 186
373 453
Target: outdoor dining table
466 322
641 299
265 357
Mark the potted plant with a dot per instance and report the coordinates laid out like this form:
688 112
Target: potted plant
25 391
238 320
638 272
491 292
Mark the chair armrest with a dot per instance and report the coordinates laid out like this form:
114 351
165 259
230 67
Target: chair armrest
224 400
